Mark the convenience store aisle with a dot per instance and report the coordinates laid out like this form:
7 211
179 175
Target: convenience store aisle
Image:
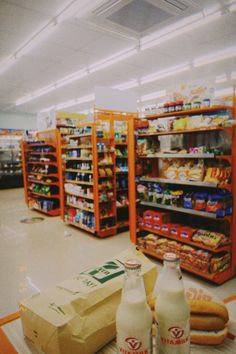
34 257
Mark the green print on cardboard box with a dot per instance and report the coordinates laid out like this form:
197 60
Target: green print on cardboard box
107 271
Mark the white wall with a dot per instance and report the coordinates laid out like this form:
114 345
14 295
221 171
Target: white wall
18 121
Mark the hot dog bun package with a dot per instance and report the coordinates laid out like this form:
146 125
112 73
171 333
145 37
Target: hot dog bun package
78 315
210 322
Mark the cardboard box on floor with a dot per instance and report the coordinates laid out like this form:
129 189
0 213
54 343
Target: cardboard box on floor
78 315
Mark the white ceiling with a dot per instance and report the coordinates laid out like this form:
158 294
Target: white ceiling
76 43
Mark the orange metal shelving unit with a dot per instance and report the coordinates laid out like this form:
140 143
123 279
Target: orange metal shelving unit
122 135
136 206
106 167
41 165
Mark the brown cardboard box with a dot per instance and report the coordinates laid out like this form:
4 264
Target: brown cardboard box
78 315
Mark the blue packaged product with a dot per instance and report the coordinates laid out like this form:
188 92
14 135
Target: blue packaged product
188 201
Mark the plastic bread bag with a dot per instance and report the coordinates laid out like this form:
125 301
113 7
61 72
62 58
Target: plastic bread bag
197 294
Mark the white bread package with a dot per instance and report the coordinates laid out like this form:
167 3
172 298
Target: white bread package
78 315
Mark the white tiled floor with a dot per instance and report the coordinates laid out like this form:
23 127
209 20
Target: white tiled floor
36 256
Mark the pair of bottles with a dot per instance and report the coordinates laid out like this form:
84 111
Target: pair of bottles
134 317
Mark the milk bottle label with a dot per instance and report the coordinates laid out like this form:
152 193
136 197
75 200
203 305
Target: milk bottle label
140 343
173 338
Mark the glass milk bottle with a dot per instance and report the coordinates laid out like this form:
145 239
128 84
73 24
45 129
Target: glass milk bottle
171 310
133 318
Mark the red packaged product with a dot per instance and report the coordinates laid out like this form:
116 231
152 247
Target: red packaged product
165 228
148 225
157 226
148 215
175 230
186 232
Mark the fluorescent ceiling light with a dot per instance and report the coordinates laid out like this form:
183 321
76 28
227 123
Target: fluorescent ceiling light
71 103
228 91
215 57
62 82
112 60
221 78
178 28
232 7
127 85
158 75
153 95
233 75
71 78
5 64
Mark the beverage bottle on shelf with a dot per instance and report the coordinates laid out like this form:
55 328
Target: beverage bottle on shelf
172 310
133 317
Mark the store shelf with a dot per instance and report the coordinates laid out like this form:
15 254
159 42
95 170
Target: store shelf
80 195
121 172
121 189
184 131
50 163
106 151
73 147
53 196
79 182
179 156
81 208
42 182
190 112
78 136
40 153
187 183
122 206
78 171
219 277
107 217
80 226
122 157
39 144
121 143
11 150
188 242
78 159
183 210
53 212
42 174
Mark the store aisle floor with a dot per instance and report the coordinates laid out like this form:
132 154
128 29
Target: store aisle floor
34 257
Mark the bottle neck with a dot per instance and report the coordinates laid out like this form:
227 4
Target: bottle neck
171 278
133 290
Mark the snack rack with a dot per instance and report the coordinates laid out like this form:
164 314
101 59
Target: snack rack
92 206
150 173
122 130
41 167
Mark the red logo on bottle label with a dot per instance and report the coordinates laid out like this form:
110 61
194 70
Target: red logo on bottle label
133 343
176 332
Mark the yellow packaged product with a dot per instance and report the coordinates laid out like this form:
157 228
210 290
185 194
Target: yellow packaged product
196 172
179 124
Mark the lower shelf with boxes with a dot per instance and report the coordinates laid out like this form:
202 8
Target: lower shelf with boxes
202 250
